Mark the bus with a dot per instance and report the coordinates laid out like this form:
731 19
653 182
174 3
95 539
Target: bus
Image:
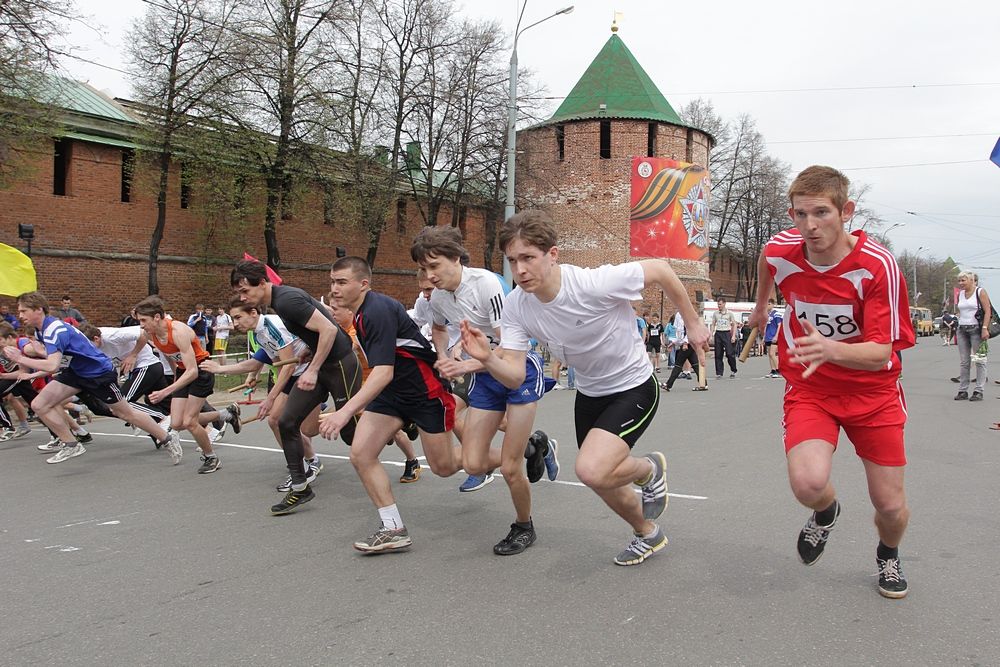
923 323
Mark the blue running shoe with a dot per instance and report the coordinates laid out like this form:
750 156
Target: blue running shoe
475 482
552 460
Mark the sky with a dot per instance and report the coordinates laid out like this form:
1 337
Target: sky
901 96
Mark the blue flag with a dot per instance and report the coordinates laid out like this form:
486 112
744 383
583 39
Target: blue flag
995 155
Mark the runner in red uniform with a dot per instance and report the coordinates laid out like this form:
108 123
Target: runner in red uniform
846 320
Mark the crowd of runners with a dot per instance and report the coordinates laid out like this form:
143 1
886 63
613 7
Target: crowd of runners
461 368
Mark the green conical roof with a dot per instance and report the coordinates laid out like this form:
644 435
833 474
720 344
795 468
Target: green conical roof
616 79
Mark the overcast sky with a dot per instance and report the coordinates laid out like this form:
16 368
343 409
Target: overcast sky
868 88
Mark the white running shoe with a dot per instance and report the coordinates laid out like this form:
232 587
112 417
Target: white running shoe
174 447
53 445
67 452
21 432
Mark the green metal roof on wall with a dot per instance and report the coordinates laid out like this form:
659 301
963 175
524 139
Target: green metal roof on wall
617 80
80 98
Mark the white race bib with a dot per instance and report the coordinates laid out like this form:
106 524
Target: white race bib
834 321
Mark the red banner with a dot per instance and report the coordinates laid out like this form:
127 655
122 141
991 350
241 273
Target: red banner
669 209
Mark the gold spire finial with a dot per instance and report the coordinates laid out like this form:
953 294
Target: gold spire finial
614 22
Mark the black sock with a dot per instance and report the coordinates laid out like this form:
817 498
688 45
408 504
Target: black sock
826 517
524 526
885 553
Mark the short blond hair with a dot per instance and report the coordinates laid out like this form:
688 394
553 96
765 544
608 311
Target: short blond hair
970 275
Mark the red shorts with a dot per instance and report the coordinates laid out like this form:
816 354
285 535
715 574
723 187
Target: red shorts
874 422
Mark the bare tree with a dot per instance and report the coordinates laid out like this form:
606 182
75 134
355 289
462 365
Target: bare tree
177 51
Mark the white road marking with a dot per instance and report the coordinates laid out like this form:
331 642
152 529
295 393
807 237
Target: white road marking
341 457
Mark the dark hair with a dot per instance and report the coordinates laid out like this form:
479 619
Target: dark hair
90 331
34 301
252 271
6 329
151 306
437 242
242 305
67 297
356 265
534 227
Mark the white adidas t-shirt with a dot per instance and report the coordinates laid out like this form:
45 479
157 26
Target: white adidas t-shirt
479 298
589 326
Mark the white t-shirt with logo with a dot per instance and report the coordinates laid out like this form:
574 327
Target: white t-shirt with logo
589 326
479 298
118 342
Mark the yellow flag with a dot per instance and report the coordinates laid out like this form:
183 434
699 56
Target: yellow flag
17 274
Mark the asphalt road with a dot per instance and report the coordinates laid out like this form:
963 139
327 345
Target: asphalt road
119 558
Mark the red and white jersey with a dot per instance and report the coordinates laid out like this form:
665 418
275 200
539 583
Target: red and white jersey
861 299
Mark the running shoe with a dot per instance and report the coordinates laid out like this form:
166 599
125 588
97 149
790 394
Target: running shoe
411 472
53 445
209 464
654 490
173 445
640 548
84 437
292 501
67 452
891 582
234 411
316 465
385 539
552 460
411 431
976 396
21 432
813 537
536 460
286 486
517 540
8 434
475 482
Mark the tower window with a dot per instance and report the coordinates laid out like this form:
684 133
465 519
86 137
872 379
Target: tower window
651 141
605 139
561 141
185 185
60 166
128 168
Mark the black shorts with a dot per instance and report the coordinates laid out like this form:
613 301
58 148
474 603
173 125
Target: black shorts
103 387
768 344
431 415
202 387
287 389
626 414
653 346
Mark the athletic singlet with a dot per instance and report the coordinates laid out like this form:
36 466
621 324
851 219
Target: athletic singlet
171 351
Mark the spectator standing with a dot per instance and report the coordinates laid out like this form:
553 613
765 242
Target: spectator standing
68 311
9 317
974 312
771 329
724 329
669 339
199 323
654 336
223 327
949 325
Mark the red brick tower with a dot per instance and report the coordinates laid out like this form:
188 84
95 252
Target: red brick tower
576 165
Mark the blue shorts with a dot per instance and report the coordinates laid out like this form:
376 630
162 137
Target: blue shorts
486 393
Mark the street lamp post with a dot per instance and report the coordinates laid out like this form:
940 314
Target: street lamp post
512 122
916 295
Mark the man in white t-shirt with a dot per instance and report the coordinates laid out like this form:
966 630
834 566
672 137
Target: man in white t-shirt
223 327
586 318
476 296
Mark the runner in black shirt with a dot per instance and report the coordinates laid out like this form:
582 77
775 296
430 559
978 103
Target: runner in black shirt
403 386
333 369
654 339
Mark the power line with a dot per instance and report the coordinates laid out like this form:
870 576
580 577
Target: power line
915 164
798 90
918 136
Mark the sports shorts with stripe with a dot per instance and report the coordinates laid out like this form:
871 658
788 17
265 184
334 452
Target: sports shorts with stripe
626 414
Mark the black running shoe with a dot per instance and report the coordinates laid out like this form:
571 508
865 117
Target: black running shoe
234 410
517 540
411 431
86 438
536 462
292 501
891 582
411 472
813 537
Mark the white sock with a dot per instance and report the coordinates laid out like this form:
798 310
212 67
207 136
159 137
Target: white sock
80 431
390 517
652 533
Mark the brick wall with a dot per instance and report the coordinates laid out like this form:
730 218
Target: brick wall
588 197
91 219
